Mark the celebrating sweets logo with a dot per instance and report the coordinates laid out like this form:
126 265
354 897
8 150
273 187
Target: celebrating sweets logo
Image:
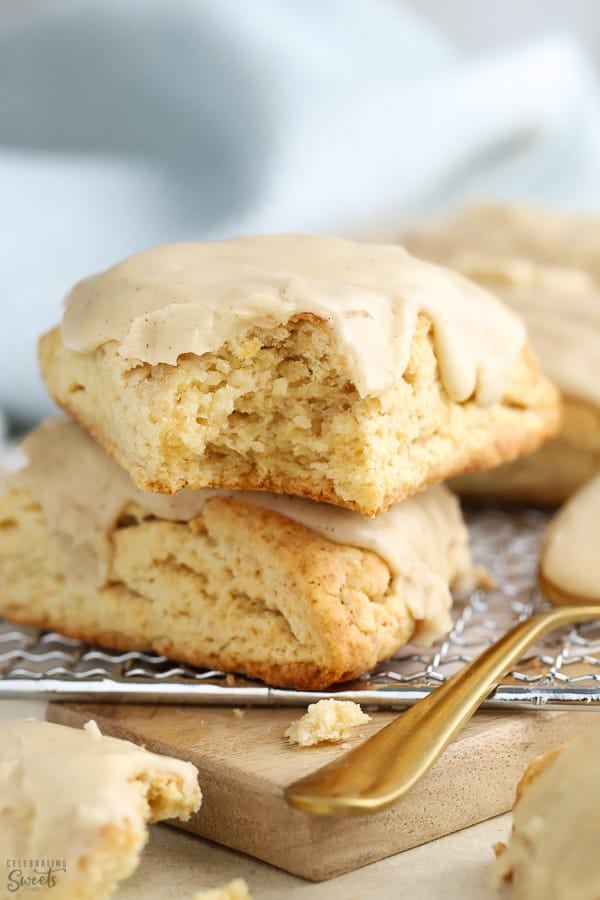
34 875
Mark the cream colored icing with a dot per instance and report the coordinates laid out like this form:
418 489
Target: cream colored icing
561 310
543 265
505 231
191 298
61 786
571 553
83 492
552 852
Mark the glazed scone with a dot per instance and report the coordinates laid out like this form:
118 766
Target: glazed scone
290 591
511 231
235 890
79 803
340 371
570 562
327 721
552 852
546 267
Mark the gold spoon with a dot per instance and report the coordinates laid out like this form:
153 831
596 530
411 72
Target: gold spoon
376 774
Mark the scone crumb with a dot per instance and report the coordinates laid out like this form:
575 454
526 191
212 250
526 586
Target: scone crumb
499 848
238 713
235 890
328 720
484 579
92 728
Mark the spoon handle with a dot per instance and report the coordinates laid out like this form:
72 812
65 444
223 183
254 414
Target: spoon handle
377 773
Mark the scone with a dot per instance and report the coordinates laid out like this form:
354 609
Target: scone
75 805
546 267
288 590
570 559
340 371
552 852
511 231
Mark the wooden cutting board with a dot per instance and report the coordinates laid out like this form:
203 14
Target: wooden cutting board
244 763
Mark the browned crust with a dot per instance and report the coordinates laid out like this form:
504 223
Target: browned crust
535 769
317 568
560 597
584 404
579 445
299 676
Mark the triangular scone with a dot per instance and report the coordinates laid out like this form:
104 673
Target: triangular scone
546 267
552 851
290 591
344 372
74 806
570 561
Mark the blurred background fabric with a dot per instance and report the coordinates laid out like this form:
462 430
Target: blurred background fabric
127 123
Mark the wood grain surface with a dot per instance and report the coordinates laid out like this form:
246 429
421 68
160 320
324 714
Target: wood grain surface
244 764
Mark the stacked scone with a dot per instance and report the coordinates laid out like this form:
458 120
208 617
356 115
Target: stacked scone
546 267
262 423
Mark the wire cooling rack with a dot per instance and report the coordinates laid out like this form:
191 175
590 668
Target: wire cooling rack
562 670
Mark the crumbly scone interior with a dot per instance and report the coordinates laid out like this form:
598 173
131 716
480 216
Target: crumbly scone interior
276 410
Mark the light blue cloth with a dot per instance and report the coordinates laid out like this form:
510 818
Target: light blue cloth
125 123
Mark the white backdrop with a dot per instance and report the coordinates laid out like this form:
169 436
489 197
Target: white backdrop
126 123
480 25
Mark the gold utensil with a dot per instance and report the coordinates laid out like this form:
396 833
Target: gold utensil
376 774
